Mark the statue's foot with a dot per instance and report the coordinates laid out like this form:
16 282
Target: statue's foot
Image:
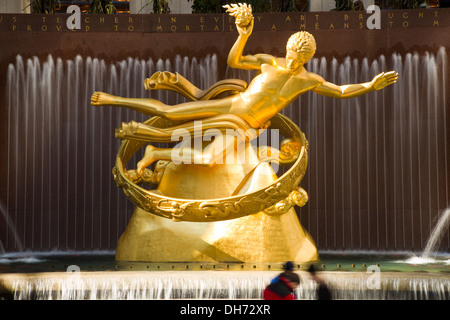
101 98
147 160
127 130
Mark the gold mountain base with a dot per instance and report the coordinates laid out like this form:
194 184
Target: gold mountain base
254 238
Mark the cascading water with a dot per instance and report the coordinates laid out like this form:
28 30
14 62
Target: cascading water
389 152
378 168
220 285
376 178
61 150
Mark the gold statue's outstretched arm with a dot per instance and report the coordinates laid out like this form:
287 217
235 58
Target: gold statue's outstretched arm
244 25
354 90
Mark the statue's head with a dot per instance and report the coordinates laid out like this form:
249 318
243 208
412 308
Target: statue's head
301 46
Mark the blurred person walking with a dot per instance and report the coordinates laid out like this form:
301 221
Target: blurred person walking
323 293
283 286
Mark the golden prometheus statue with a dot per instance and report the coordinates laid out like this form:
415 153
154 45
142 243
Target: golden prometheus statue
232 205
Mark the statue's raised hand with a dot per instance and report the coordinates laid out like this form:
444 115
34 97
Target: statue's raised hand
384 79
243 15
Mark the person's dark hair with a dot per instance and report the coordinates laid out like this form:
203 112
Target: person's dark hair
288 266
291 277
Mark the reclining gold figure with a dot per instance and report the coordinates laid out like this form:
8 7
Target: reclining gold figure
280 81
244 208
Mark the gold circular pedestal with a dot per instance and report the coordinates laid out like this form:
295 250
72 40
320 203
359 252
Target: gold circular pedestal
192 217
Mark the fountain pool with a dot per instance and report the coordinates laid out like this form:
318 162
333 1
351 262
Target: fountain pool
92 276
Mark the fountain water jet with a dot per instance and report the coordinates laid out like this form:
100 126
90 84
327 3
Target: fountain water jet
436 235
10 229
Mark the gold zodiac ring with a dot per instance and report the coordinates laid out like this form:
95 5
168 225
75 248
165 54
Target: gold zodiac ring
274 199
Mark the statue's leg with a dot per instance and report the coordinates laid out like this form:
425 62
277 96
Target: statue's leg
143 132
221 150
185 111
146 106
181 155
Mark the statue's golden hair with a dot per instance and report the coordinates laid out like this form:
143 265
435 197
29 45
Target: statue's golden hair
302 42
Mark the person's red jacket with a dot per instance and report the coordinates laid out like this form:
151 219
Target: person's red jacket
280 290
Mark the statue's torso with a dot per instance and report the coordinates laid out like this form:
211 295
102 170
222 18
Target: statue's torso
270 92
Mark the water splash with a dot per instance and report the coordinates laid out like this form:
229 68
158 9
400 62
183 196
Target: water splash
425 260
430 254
27 260
436 235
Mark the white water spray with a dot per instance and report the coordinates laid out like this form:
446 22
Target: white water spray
436 235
